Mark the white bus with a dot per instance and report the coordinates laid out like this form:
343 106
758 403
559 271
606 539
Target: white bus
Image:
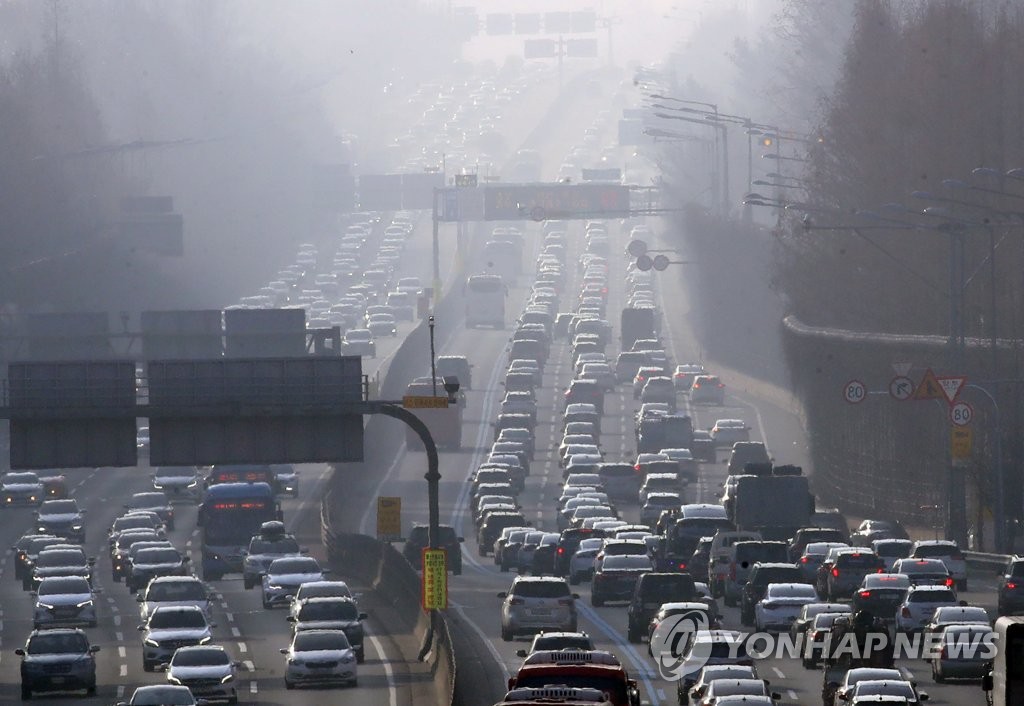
485 301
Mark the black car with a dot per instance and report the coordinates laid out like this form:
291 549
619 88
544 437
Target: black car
446 539
62 518
27 549
651 591
57 660
806 535
568 543
493 526
587 392
458 366
1011 587
761 575
616 577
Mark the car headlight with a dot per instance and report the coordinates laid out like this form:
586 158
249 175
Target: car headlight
206 640
193 484
150 642
227 678
348 659
76 528
173 680
45 605
41 528
83 604
275 587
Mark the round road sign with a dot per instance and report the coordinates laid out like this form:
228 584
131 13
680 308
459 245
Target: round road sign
901 388
660 263
636 248
644 263
854 392
961 414
537 213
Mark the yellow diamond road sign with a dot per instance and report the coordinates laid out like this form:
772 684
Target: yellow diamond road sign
389 519
435 579
424 402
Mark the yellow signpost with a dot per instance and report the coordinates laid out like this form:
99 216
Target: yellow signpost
389 519
424 402
435 579
961 439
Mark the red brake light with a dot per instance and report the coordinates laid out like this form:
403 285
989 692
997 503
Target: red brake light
721 384
957 557
865 594
636 467
561 550
949 581
945 653
835 572
1011 585
804 560
682 566
696 385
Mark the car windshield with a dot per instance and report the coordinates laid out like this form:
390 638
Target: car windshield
285 545
174 471
158 556
315 640
899 550
176 591
46 643
323 590
177 619
148 500
890 688
58 507
298 565
328 610
541 589
200 657
627 562
60 557
63 586
725 687
132 522
562 642
162 696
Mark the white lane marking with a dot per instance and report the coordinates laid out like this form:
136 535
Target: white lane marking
661 694
122 652
792 694
117 620
644 671
253 688
778 673
242 647
364 522
124 670
224 605
230 617
120 690
249 665
486 640
389 673
910 674
235 632
119 636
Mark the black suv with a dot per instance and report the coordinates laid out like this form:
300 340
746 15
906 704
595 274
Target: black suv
1011 587
492 527
57 660
761 575
653 589
806 535
568 543
446 539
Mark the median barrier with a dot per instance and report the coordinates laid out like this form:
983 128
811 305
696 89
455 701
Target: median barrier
982 561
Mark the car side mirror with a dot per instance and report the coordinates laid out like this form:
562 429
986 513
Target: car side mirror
138 598
363 616
303 550
576 596
462 539
291 619
503 594
212 625
520 653
986 682
922 696
93 649
283 650
140 628
776 696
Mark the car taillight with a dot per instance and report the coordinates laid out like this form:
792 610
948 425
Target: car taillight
516 601
637 468
804 560
905 612
865 594
949 581
721 384
682 565
696 385
835 572
944 654
561 550
819 634
1011 585
678 375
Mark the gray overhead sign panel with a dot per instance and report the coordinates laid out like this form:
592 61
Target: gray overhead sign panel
380 192
182 334
69 336
264 333
72 414
277 410
418 189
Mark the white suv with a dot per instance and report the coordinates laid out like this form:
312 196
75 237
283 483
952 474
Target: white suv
916 610
536 603
948 553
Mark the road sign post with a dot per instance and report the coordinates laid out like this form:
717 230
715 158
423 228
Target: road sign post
435 579
960 443
389 519
961 414
855 392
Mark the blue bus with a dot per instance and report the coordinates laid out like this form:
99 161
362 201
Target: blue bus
230 514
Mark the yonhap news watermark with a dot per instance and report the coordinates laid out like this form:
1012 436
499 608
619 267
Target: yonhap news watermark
683 644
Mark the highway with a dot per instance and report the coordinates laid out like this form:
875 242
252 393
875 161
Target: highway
250 633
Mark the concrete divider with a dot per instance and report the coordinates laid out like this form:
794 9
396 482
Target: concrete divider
980 561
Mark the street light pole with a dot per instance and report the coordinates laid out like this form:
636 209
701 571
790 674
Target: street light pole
1000 504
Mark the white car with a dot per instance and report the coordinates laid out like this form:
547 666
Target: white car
919 605
207 670
178 483
727 432
382 325
319 657
658 483
948 553
537 603
161 695
284 576
359 341
781 605
868 691
892 550
175 591
64 601
584 560
601 373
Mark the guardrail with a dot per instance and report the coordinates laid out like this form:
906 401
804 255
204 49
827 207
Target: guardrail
981 560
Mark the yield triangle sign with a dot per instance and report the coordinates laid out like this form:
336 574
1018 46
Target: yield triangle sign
929 388
951 386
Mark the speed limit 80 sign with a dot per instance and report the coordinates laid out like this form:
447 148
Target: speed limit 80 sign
961 414
855 392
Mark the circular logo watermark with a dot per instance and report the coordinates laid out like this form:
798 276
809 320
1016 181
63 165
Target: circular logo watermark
673 647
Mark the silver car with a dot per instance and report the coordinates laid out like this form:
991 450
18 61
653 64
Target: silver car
174 591
207 670
169 628
64 601
535 603
284 576
319 657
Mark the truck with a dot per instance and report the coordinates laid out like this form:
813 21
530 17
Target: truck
637 323
1004 685
775 501
597 669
